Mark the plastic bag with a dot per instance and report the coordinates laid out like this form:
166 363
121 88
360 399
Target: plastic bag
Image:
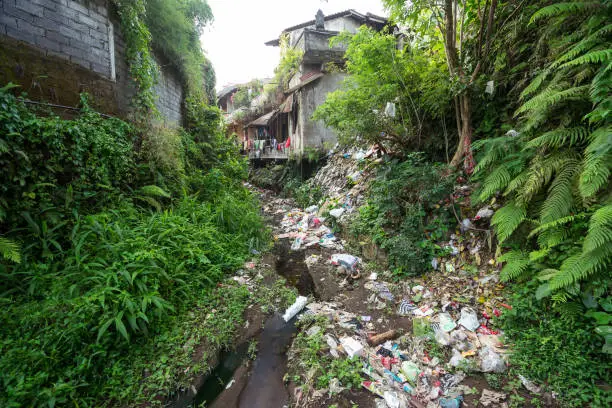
451 403
336 212
491 362
411 371
346 260
469 319
442 337
447 323
456 359
295 308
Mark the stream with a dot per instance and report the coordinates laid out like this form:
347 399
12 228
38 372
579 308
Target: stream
234 382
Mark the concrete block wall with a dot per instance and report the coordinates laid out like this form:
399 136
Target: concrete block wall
76 30
86 33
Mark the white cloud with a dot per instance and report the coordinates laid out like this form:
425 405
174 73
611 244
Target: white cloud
235 41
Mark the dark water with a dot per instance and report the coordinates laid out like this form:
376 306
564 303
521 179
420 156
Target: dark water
264 386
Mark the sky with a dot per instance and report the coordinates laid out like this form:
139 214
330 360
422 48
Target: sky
234 42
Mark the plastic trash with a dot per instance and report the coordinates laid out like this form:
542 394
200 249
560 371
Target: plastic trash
351 346
375 387
442 337
469 319
456 359
484 214
405 307
355 177
359 155
530 385
336 212
411 371
491 362
491 398
390 109
423 311
313 330
297 243
391 399
451 403
335 387
346 260
295 308
312 209
446 322
420 327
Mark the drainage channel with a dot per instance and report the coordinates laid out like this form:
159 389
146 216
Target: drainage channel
231 383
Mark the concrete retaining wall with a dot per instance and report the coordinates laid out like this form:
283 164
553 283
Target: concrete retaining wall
85 33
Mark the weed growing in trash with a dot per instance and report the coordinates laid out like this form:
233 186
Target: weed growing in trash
346 370
403 213
275 297
494 380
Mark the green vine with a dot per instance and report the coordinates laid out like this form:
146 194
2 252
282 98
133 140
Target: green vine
142 65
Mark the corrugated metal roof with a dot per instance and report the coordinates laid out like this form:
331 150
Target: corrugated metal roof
227 90
306 81
262 120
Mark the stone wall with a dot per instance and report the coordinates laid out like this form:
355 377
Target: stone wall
47 39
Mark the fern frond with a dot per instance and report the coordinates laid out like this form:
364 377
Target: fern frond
517 263
556 223
597 162
583 46
535 84
153 191
497 180
560 199
600 229
580 267
566 9
10 250
518 182
552 96
541 173
593 57
559 137
507 219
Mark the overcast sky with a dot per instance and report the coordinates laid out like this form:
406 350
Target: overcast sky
234 42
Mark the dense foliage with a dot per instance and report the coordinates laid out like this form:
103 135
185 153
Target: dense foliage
399 214
529 84
410 78
97 257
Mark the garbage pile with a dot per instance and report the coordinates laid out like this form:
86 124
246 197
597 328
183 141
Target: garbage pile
400 368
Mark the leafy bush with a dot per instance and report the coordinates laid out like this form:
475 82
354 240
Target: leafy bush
88 268
398 214
562 352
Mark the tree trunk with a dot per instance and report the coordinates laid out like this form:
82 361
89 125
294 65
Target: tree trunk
465 136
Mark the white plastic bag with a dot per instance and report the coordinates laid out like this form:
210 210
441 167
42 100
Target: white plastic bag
469 319
295 308
491 362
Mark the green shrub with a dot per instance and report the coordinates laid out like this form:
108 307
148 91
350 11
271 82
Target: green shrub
399 214
559 351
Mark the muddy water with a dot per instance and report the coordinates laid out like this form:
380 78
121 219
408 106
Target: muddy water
260 383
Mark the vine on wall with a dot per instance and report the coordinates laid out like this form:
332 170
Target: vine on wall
142 66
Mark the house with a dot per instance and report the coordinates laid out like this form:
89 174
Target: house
310 85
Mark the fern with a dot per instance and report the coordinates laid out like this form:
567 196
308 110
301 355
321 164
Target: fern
535 84
517 264
600 229
560 9
593 57
507 219
559 137
559 201
556 223
582 266
552 97
153 191
10 250
596 164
